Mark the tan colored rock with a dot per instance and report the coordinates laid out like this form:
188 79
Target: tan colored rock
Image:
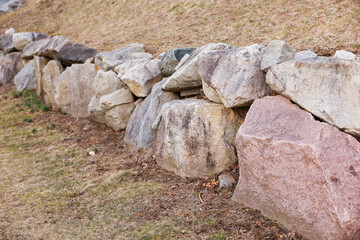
106 83
22 39
120 96
210 93
299 171
117 118
190 92
49 81
40 63
196 138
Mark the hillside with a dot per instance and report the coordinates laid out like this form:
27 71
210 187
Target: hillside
320 25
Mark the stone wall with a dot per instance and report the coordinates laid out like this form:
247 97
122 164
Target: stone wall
200 110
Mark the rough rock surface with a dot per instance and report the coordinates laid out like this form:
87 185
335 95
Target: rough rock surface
75 89
22 39
10 65
106 83
142 77
277 51
210 93
190 92
120 96
26 78
226 180
39 63
341 54
9 32
52 48
139 132
126 66
326 87
72 53
117 117
171 58
299 171
234 74
6 44
196 138
187 76
33 48
304 55
49 81
109 60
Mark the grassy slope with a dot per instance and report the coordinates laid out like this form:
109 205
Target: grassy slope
320 25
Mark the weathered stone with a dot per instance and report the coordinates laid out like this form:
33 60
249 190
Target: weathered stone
190 92
226 180
11 5
299 171
6 44
75 89
345 55
96 113
187 76
33 48
52 48
22 39
182 61
1 55
171 58
10 65
277 51
196 138
304 55
126 66
9 32
120 96
234 74
139 132
72 53
26 78
118 117
142 77
326 87
211 94
39 63
106 83
49 81
109 60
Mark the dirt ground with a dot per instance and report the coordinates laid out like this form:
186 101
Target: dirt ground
50 188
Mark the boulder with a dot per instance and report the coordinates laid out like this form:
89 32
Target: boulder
304 55
345 55
53 46
109 60
26 78
187 76
299 171
118 116
39 63
190 92
326 87
71 53
234 74
126 66
22 39
6 44
33 48
96 113
75 89
120 96
196 138
142 77
139 132
49 81
106 83
277 51
171 58
9 32
10 65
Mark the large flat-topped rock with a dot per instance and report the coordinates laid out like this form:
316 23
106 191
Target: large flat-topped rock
72 53
234 75
299 171
22 39
328 88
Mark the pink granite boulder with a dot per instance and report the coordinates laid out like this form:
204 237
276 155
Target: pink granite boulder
299 171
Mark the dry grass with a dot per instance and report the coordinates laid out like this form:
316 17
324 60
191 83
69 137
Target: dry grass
321 25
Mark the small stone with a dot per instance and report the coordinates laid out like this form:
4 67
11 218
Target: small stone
9 32
277 52
304 55
345 55
226 180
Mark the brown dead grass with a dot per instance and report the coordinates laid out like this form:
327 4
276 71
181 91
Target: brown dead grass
320 25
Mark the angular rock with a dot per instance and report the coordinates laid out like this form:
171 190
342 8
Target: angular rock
234 74
96 113
109 60
139 132
6 44
299 171
52 48
171 58
211 94
10 65
345 55
9 32
75 89
187 76
72 53
118 117
26 78
39 63
190 92
277 51
142 77
106 83
304 55
50 80
196 138
33 48
120 96
22 39
126 66
326 87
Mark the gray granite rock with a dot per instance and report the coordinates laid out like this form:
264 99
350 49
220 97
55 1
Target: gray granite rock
10 65
277 51
72 53
6 44
22 39
304 55
171 58
33 48
26 78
